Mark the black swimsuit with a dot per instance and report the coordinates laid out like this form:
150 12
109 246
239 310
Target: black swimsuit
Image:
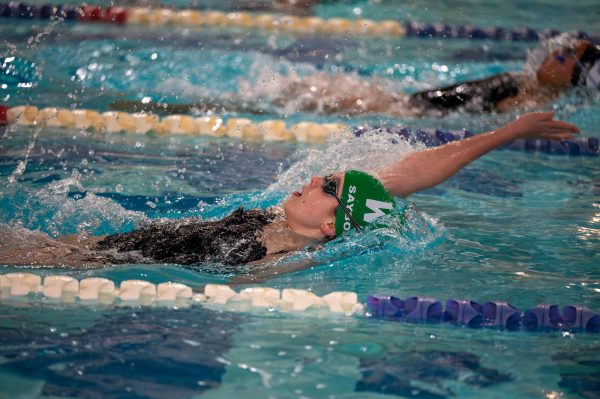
233 240
474 96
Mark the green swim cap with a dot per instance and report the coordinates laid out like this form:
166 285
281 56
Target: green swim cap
365 197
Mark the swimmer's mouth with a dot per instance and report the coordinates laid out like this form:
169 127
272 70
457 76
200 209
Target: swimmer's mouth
297 194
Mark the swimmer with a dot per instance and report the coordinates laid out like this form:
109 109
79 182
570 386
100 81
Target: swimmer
573 65
577 65
324 208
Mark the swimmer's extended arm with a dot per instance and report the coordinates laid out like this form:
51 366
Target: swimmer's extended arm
428 168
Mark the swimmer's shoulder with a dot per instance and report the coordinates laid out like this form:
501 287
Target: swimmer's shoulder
530 94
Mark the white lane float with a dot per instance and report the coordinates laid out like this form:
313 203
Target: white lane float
143 293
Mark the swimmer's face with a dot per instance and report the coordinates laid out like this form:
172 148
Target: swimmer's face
557 68
311 212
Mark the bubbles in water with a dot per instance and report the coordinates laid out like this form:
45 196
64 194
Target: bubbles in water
17 172
54 209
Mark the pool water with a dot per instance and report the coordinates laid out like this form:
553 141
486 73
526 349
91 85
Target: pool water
513 226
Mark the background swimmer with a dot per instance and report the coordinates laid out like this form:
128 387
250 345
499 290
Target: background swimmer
574 64
323 209
567 67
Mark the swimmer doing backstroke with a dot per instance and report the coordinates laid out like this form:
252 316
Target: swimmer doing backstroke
323 209
573 65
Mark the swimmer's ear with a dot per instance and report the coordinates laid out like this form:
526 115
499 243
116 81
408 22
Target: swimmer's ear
328 229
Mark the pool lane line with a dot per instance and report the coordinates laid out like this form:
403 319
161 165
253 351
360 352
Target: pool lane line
269 22
268 130
142 123
466 313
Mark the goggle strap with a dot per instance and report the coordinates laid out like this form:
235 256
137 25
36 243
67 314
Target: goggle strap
347 212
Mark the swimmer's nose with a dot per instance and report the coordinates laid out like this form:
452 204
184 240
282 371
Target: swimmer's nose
316 181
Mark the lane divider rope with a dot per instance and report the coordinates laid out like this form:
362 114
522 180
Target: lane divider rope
491 314
269 130
97 290
272 22
142 123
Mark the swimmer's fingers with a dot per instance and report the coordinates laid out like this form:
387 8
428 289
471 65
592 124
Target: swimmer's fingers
561 125
540 125
560 136
561 131
554 135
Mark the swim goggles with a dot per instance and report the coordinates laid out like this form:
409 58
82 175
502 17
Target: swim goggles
561 57
330 186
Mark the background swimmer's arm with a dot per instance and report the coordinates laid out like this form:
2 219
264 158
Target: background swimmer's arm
428 168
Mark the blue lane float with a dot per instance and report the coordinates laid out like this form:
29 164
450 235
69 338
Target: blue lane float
19 10
416 29
581 146
471 314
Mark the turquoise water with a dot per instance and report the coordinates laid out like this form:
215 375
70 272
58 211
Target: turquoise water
513 226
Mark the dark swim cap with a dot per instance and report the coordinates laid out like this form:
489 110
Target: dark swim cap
587 69
366 199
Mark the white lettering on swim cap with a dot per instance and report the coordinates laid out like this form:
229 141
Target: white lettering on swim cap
349 206
376 207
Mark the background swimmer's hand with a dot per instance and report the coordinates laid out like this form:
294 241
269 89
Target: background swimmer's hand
540 125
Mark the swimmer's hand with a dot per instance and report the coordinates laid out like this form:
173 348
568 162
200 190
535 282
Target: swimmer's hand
540 125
